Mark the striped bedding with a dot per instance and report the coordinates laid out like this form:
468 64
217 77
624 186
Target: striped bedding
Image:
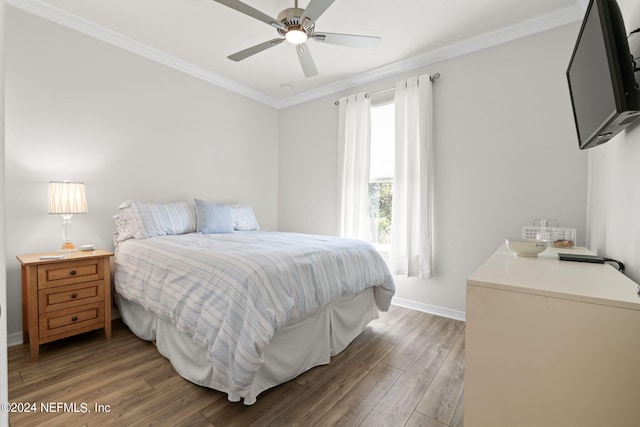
231 292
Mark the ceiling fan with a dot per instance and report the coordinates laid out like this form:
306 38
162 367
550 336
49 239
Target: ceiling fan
297 25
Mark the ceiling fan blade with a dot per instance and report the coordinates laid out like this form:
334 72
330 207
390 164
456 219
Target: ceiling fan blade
349 40
304 55
243 54
254 13
314 9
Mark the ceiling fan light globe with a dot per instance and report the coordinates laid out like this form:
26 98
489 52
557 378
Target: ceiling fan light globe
296 36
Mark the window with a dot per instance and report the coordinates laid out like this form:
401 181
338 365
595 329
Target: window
372 190
381 174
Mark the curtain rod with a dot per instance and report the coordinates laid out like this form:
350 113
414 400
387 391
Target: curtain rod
433 78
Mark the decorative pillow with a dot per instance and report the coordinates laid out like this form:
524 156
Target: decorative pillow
151 220
243 218
213 218
123 229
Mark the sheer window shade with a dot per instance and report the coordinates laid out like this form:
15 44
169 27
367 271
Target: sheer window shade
353 164
412 229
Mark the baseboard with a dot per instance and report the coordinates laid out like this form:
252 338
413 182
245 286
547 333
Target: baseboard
14 339
431 309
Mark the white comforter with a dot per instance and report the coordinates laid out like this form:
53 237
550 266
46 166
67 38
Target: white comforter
230 292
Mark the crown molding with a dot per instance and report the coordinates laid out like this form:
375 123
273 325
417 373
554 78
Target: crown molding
557 19
547 22
74 22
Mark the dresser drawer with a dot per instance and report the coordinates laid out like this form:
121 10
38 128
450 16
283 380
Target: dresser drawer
69 272
60 297
72 320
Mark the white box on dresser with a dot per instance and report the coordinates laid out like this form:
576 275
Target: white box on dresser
551 343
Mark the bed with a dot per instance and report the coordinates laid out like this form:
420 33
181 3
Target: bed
235 308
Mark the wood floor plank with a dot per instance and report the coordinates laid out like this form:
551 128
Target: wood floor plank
407 350
392 316
420 420
177 410
448 334
68 418
270 405
195 420
316 377
337 382
404 369
403 327
397 405
354 407
62 383
151 408
458 415
14 378
81 361
441 398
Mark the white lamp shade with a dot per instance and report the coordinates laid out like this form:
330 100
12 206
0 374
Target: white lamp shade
67 197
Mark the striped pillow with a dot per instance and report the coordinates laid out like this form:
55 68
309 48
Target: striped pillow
151 220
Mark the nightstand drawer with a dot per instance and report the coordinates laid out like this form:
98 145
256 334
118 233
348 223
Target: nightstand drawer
66 273
61 297
85 317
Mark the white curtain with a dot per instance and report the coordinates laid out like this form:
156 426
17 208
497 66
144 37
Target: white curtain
411 225
353 165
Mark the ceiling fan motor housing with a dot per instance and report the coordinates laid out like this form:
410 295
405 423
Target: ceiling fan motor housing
290 18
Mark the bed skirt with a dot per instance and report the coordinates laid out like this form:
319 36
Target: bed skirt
294 348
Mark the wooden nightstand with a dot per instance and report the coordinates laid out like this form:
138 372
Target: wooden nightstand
64 297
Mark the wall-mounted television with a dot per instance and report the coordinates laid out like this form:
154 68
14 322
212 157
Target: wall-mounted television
604 93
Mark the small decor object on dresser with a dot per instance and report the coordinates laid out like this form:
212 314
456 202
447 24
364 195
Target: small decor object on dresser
64 296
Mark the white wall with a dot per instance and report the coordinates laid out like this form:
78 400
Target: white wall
132 129
129 128
614 183
506 153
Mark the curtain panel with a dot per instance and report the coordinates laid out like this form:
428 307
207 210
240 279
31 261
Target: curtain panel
354 155
411 226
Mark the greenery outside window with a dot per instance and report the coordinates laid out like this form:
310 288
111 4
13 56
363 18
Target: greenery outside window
380 198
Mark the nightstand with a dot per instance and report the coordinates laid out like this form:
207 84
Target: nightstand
64 297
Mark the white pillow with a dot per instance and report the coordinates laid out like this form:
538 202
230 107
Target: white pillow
243 218
123 229
151 220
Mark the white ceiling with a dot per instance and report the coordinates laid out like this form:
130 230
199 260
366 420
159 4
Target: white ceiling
196 36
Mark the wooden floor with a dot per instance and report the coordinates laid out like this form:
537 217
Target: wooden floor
405 369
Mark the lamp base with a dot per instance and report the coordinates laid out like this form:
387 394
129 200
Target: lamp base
68 246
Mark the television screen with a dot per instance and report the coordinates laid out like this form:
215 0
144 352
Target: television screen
604 93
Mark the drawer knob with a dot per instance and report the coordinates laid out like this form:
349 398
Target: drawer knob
74 295
74 318
72 272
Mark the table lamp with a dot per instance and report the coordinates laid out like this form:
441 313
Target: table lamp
67 198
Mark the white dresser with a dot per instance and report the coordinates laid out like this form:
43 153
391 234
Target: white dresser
551 343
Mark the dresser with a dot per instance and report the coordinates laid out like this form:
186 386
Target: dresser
551 343
64 297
